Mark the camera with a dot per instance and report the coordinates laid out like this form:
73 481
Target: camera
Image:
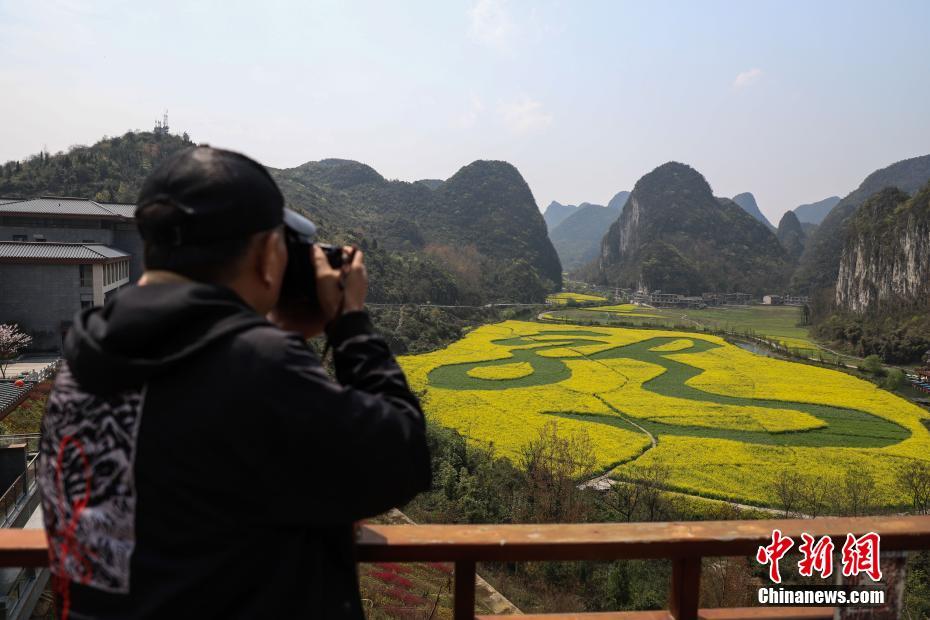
298 290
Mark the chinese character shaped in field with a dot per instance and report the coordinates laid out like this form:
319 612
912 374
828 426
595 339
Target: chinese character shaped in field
817 556
773 553
860 555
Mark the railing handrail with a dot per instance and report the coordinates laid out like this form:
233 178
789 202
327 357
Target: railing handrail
685 543
15 436
30 439
18 488
611 541
570 541
23 547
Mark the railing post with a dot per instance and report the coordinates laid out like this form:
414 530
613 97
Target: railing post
464 603
686 588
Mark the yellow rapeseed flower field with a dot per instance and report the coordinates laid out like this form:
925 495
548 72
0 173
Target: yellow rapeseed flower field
565 297
725 421
627 310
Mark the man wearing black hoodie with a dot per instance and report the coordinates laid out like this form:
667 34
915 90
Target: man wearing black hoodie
196 460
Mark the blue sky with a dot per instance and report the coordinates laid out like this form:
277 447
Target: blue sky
793 101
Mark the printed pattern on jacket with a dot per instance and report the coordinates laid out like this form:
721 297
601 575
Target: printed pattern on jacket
85 470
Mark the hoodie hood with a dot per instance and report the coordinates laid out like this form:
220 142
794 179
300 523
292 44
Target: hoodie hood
145 330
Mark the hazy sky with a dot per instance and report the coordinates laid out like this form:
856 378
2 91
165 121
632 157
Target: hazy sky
793 101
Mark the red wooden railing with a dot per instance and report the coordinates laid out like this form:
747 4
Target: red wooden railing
685 543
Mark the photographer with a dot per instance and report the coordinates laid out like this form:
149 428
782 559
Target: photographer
196 460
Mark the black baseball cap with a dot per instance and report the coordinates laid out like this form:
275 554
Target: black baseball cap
216 195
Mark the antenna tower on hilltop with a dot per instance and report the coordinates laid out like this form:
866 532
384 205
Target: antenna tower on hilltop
161 127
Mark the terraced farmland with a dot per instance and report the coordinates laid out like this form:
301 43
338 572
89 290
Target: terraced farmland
724 421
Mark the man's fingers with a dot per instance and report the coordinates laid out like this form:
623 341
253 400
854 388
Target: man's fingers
357 258
347 251
320 262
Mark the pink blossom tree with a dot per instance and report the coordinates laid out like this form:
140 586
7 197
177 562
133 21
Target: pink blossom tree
12 341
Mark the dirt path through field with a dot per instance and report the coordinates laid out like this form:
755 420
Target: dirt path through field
652 438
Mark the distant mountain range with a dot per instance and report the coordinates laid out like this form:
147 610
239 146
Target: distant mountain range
747 203
813 213
809 215
479 236
577 238
576 231
674 235
474 238
556 213
619 200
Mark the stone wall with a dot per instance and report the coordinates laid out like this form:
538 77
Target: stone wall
42 299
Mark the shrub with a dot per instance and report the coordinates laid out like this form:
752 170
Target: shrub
894 380
873 365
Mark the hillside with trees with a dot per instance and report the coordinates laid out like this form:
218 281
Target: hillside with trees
791 235
480 229
111 170
674 235
882 295
819 264
474 238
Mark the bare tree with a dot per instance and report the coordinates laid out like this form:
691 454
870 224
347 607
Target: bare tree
858 493
641 498
815 494
913 479
654 481
623 500
553 463
12 341
787 487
